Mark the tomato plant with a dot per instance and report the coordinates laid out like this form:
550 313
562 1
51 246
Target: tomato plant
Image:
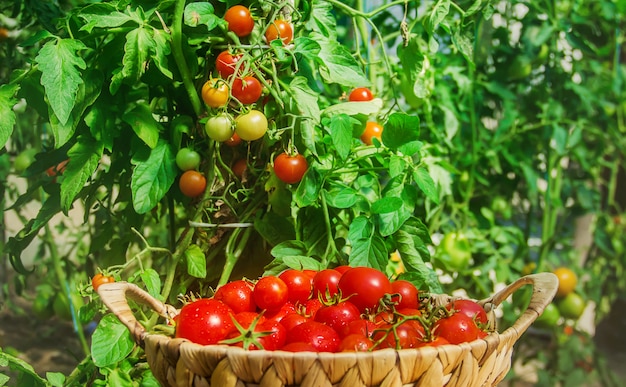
247 90
215 93
290 168
187 158
279 29
251 126
192 183
239 20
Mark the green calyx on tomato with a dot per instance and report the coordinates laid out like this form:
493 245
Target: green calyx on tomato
187 158
454 252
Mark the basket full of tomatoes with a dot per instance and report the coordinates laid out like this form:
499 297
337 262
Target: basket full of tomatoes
349 326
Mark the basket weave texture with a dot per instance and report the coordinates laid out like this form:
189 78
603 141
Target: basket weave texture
181 363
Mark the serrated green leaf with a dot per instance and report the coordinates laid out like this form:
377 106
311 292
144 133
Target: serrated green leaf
26 374
274 228
142 121
390 222
302 262
411 242
341 133
402 133
152 280
426 184
155 171
306 47
111 342
102 15
397 166
56 379
305 99
337 65
84 158
139 46
196 261
341 197
386 205
309 188
59 63
161 51
360 227
370 252
365 108
7 115
102 123
437 15
322 19
201 14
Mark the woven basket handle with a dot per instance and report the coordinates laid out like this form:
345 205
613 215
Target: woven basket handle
115 296
544 286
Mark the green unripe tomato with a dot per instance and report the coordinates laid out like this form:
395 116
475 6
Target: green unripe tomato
24 160
219 128
549 318
454 251
572 306
187 159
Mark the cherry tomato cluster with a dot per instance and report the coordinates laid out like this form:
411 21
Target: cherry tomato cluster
331 310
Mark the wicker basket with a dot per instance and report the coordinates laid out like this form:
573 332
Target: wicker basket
178 362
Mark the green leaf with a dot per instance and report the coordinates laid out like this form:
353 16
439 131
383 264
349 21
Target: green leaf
337 65
59 63
102 123
411 242
397 166
304 99
137 50
463 41
402 133
142 121
111 342
387 205
56 379
196 261
322 19
84 158
391 221
162 51
309 188
152 280
7 115
289 248
274 229
344 197
437 15
102 15
200 14
426 184
26 374
306 47
366 108
155 171
360 227
370 252
302 262
341 133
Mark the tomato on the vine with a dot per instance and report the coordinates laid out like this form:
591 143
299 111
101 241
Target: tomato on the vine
204 321
247 90
470 308
251 126
290 169
338 315
226 63
219 128
239 167
571 306
364 286
192 183
325 284
279 29
270 293
187 158
360 94
549 318
458 328
567 281
233 141
403 336
215 93
407 294
99 279
372 130
454 251
239 20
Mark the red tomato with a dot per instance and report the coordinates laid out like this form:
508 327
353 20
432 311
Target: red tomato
407 294
360 326
226 63
372 130
237 295
355 343
311 307
276 337
325 284
337 316
298 347
469 308
364 286
322 337
205 321
270 293
266 334
290 169
285 309
240 167
458 328
404 336
279 29
343 268
299 285
360 94
192 183
293 319
99 279
233 141
245 319
434 342
247 90
239 20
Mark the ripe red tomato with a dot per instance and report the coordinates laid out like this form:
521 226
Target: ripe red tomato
279 29
325 284
251 126
457 328
322 337
364 286
343 268
337 316
99 279
233 141
270 293
247 90
290 169
293 319
311 307
355 343
404 336
237 295
277 315
205 321
360 326
407 294
299 285
469 308
360 94
239 20
226 63
372 130
192 183
215 93
433 342
240 167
